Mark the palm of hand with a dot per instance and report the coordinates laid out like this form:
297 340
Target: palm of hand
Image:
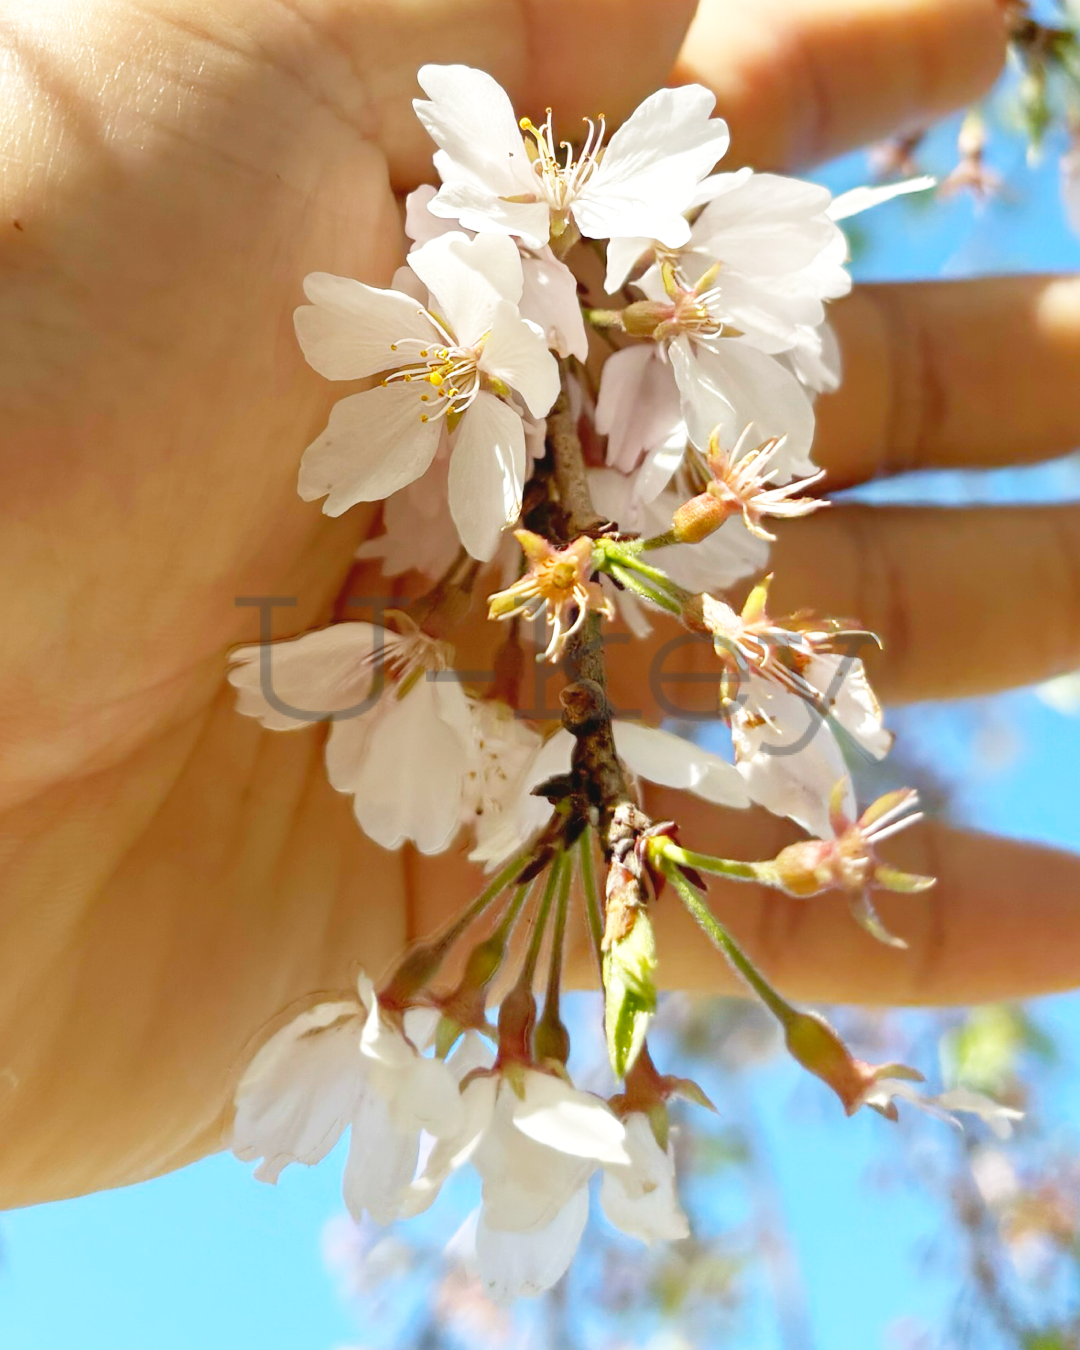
172 877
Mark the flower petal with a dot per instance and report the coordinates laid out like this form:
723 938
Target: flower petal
638 407
381 1163
623 256
735 386
411 782
293 683
651 168
516 1265
373 444
471 119
791 762
475 208
863 198
516 354
641 1199
672 761
300 1091
549 299
347 330
469 278
487 474
764 223
568 1120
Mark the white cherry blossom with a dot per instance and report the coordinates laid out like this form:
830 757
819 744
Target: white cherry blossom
549 294
641 1198
470 372
400 737
344 1065
533 1138
656 396
494 178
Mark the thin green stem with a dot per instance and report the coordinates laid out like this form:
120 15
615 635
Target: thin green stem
719 936
536 938
593 914
637 586
703 862
603 318
506 926
558 938
665 540
494 888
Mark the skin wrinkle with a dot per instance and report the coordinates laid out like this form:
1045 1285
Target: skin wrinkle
813 126
879 587
906 362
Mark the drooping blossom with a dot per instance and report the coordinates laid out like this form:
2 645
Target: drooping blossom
340 1065
535 1140
557 586
400 735
549 293
471 373
641 1198
496 178
648 752
848 861
788 694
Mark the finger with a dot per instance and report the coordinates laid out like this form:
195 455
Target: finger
953 374
1000 923
965 602
801 80
798 80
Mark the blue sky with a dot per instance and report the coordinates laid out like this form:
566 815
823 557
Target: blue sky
209 1258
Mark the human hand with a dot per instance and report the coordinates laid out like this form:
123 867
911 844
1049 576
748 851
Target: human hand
174 878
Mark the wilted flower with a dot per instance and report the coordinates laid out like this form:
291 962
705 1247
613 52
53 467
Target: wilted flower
557 584
817 1047
742 481
787 694
849 862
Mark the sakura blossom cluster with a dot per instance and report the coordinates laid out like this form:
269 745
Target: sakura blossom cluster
566 492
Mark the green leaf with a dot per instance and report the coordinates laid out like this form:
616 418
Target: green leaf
629 993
